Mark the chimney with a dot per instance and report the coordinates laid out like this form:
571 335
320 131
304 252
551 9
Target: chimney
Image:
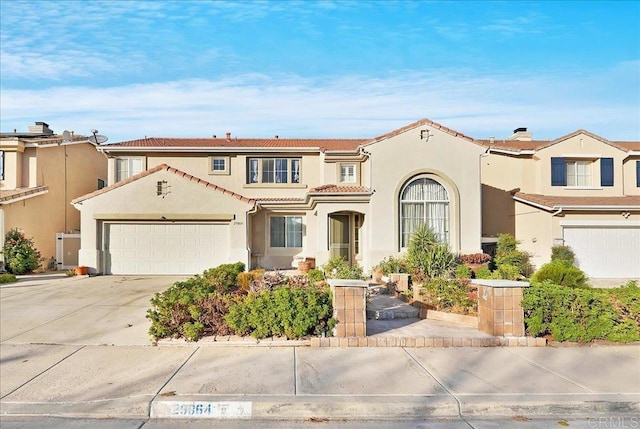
521 134
228 136
40 128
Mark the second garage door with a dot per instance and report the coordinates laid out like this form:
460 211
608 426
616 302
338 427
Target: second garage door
606 252
167 248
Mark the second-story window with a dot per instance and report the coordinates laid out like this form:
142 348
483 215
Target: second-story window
578 173
273 170
348 173
127 167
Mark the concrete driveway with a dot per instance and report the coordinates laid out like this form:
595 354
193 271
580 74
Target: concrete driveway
55 309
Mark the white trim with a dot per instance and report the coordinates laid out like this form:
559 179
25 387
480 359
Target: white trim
583 188
256 149
511 152
586 223
24 197
531 203
582 156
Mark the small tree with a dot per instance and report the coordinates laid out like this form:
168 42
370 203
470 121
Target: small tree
507 254
20 254
563 254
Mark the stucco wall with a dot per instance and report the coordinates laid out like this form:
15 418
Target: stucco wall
629 176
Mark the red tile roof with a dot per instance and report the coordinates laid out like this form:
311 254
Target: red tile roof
421 122
8 196
335 189
234 142
517 145
557 201
171 170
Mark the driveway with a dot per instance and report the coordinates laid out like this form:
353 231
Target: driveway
55 309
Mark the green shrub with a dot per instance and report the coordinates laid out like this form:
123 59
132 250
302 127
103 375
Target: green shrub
291 312
483 273
563 254
576 314
463 272
507 271
560 272
393 264
315 276
8 278
189 309
224 277
427 257
20 254
338 268
507 253
454 295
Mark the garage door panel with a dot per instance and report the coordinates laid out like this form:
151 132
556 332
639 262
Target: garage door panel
606 252
166 248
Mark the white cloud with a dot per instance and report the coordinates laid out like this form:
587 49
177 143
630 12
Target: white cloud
256 105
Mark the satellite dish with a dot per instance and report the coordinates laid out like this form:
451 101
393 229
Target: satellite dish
97 138
66 136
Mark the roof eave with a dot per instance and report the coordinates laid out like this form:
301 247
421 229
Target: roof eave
206 149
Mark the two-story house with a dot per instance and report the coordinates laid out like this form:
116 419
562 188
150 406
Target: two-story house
40 173
179 206
579 190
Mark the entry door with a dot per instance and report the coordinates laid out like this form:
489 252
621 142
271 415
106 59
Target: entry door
340 236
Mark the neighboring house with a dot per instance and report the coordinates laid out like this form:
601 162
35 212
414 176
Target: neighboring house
179 206
40 173
579 190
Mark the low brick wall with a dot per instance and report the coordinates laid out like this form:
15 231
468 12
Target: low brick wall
500 310
349 307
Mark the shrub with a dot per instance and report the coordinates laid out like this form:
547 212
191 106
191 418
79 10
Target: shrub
20 254
507 271
393 264
474 258
315 276
223 277
563 254
244 279
463 272
454 295
338 268
576 314
507 253
189 309
8 278
428 258
483 273
560 272
291 312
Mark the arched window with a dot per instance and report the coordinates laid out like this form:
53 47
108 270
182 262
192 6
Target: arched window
424 201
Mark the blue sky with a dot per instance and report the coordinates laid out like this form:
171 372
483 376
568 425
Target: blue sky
320 68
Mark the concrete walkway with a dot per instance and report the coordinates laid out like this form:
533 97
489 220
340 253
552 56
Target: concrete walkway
78 347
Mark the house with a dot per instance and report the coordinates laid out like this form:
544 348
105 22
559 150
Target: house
179 206
40 173
579 190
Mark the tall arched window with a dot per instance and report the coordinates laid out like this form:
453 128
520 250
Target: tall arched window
424 201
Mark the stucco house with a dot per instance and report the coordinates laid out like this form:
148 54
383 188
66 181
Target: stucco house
179 206
40 173
579 190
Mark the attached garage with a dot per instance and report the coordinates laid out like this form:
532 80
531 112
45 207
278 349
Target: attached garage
165 248
605 251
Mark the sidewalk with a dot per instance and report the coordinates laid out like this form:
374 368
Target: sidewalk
290 383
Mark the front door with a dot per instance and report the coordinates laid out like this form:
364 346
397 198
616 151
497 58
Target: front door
340 236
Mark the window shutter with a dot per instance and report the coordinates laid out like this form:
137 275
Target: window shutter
606 171
638 174
558 172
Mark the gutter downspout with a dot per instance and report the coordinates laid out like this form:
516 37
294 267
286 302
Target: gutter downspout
247 229
482 155
557 212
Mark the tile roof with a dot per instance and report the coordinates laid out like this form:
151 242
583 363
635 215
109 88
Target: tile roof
165 167
518 145
560 201
234 142
8 196
335 189
421 122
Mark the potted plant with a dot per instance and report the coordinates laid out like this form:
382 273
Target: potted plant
82 271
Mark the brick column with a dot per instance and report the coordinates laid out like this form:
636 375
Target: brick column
349 307
500 307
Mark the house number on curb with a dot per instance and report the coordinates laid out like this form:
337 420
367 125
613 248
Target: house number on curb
216 410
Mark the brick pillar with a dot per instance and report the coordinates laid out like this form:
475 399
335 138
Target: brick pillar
500 307
349 307
401 281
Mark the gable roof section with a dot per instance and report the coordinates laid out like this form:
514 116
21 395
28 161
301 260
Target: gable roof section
555 202
19 194
420 123
335 189
156 169
234 143
519 146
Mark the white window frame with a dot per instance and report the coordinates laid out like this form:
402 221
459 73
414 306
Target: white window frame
291 171
287 244
130 171
348 173
445 233
577 178
217 159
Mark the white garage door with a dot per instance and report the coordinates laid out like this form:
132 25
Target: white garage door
606 252
147 248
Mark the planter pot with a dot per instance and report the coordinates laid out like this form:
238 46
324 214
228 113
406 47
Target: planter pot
304 266
82 271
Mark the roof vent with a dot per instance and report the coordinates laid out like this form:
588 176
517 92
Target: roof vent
277 136
228 136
